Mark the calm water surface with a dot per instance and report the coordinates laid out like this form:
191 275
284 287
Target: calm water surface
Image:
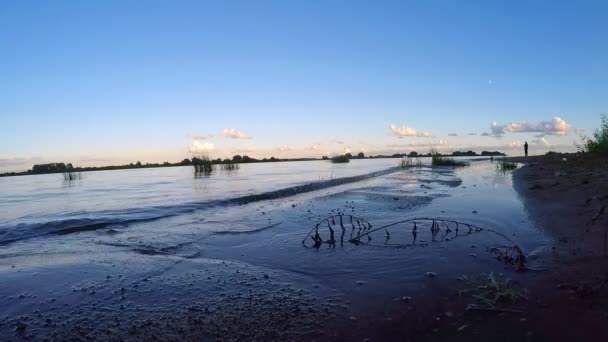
47 203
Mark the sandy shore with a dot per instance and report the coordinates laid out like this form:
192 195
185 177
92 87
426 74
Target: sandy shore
567 195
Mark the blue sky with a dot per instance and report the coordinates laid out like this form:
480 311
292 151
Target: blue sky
118 81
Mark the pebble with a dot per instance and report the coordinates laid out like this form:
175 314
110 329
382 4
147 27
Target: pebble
431 274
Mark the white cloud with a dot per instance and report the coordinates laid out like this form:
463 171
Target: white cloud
199 147
514 144
201 136
347 150
405 131
6 161
315 147
242 150
556 126
496 130
234 134
285 148
541 142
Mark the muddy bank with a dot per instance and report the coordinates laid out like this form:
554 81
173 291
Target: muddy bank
566 195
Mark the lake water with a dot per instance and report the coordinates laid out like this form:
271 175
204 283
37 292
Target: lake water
168 240
36 205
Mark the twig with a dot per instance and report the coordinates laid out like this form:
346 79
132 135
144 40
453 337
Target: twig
478 308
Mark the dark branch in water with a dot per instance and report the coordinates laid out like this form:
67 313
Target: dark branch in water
439 228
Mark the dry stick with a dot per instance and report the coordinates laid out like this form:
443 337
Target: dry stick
343 231
477 308
597 216
605 238
332 240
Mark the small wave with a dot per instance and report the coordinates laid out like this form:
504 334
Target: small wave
10 233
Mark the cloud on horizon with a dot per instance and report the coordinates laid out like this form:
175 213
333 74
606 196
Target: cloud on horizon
199 147
556 126
405 131
201 136
453 134
285 148
234 134
6 161
242 150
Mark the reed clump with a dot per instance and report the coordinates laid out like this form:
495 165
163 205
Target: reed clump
440 160
202 164
407 162
229 166
71 175
505 165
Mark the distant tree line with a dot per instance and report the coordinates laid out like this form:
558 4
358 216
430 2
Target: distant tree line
63 167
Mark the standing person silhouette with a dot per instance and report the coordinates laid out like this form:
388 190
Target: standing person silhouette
526 148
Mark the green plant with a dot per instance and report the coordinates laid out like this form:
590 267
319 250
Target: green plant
599 142
71 175
229 166
505 165
202 164
439 160
410 162
340 159
494 295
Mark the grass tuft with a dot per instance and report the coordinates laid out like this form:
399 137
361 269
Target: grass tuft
505 165
407 163
438 160
72 175
230 166
202 164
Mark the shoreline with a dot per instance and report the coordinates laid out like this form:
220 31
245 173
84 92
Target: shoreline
263 285
566 195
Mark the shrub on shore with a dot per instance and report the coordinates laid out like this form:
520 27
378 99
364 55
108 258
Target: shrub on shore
599 142
340 159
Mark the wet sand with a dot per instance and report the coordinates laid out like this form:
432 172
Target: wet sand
259 283
567 194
